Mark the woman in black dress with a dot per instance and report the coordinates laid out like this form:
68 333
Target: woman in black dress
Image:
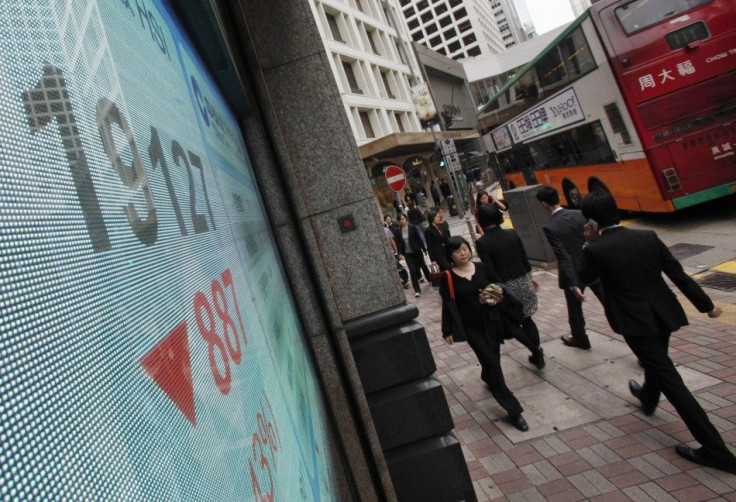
435 235
503 252
484 327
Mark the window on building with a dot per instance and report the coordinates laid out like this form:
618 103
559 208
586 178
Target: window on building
435 41
469 39
446 21
334 28
454 47
350 76
474 51
399 122
441 50
413 24
431 28
427 17
461 13
455 3
440 9
365 120
464 26
387 85
372 42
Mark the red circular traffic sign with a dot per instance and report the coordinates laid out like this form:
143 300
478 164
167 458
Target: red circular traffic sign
395 178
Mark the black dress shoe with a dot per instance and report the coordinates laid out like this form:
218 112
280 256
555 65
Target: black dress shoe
700 456
537 359
519 422
571 342
637 391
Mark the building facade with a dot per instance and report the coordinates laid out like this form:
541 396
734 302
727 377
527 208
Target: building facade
373 64
579 6
462 29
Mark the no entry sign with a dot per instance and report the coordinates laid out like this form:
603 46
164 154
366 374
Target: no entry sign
395 178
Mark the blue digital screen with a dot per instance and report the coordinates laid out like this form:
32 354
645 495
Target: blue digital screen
150 346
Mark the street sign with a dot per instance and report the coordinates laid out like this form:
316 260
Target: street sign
395 178
448 146
454 162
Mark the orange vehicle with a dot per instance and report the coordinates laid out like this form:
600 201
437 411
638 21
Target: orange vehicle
635 97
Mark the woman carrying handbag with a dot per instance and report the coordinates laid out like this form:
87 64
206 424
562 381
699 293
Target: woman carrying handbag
485 325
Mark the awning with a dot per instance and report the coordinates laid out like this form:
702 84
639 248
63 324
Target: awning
410 143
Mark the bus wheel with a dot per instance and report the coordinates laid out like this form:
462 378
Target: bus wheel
596 184
572 194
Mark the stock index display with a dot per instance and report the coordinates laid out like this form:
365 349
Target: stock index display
150 345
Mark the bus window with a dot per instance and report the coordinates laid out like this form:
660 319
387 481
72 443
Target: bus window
639 14
576 55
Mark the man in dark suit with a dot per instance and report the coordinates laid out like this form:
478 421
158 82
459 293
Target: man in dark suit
640 306
565 234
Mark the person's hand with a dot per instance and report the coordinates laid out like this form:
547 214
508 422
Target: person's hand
535 284
590 232
578 293
716 312
449 340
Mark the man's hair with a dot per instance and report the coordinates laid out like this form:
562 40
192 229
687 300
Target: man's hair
600 206
453 244
549 195
488 215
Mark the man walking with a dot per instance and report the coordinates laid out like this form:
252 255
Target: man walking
565 234
640 306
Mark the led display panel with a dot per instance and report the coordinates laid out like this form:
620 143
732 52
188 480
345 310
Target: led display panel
150 346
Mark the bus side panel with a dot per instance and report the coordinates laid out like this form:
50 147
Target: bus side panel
630 181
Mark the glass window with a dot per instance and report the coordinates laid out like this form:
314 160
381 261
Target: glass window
550 68
639 14
576 54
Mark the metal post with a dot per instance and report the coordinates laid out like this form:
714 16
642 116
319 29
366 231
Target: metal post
453 188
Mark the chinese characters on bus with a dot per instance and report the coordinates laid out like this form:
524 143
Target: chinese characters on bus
683 69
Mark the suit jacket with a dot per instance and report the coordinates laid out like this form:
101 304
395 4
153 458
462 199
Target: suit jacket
436 244
564 232
415 241
637 300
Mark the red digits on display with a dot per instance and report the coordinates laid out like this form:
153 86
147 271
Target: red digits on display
233 342
265 466
266 441
209 333
226 347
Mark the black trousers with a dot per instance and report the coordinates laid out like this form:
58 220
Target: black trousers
575 311
488 351
530 337
417 266
661 377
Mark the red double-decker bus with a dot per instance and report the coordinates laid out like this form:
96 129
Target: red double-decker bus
635 97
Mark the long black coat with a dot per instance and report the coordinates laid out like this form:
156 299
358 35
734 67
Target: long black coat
637 300
415 240
436 239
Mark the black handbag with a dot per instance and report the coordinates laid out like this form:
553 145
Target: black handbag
459 331
435 275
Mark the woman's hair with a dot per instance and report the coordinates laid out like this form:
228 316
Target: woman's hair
402 216
488 215
601 207
453 244
431 215
478 197
386 216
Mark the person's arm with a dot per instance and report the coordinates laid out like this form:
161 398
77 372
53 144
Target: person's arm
692 291
564 263
447 324
588 271
393 246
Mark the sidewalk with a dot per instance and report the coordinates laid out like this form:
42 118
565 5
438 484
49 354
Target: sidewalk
587 438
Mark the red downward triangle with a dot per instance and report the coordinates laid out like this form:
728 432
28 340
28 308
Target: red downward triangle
168 365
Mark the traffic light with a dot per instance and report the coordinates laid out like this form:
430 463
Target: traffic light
440 158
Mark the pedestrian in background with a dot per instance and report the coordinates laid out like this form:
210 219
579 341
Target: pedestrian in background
436 235
564 232
502 251
482 325
411 246
641 306
435 194
481 199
